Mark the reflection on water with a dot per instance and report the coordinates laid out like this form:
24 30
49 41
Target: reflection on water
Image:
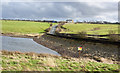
24 45
52 31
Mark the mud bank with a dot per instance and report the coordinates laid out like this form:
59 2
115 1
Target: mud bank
20 35
68 47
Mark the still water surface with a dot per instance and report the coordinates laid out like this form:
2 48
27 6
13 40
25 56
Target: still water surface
24 45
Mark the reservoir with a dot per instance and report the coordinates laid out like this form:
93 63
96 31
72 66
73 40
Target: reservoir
24 45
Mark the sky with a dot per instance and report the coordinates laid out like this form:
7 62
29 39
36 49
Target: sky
78 11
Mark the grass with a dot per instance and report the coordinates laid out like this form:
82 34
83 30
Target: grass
23 26
37 62
39 27
98 29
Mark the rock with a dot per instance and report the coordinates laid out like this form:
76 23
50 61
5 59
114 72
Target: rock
97 58
106 61
103 60
87 55
113 59
112 55
11 57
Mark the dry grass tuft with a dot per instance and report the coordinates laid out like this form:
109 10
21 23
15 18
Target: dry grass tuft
50 61
30 54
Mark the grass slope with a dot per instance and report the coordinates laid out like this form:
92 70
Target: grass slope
23 26
15 61
98 29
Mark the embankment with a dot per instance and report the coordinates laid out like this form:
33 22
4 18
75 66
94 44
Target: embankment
68 47
29 62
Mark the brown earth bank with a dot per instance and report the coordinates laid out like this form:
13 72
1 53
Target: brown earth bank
19 35
68 47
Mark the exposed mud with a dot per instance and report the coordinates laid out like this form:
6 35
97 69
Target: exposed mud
68 47
19 35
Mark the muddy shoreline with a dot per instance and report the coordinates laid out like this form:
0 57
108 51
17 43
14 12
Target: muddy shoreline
68 47
19 35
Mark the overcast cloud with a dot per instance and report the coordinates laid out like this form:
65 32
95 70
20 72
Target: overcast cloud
61 10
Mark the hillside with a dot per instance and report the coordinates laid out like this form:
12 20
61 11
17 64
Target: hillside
9 26
97 29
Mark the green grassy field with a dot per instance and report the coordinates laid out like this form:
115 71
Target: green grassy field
23 26
37 62
98 29
39 27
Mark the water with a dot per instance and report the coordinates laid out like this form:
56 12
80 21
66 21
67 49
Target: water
52 31
24 45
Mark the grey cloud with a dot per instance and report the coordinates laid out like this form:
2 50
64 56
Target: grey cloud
56 10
